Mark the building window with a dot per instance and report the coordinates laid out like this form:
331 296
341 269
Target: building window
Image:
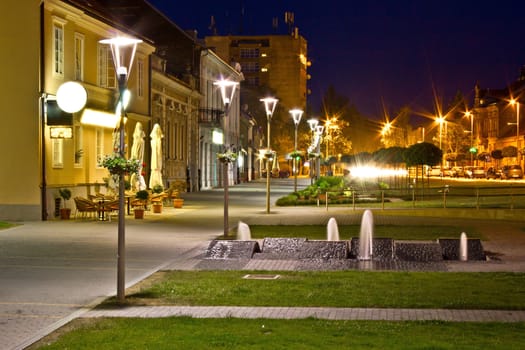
249 53
250 67
140 78
58 153
77 139
58 46
99 142
106 69
79 57
252 81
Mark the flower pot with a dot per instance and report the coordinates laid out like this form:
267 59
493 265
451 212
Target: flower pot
139 213
178 202
157 208
65 213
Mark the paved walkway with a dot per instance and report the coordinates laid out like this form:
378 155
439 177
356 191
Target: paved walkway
184 235
328 313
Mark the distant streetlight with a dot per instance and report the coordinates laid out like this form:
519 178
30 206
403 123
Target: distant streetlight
319 129
269 105
514 102
123 52
471 116
313 126
440 120
227 88
296 115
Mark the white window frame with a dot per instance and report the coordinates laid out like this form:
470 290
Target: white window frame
79 57
58 46
57 152
106 69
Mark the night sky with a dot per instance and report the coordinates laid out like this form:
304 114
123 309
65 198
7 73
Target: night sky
383 55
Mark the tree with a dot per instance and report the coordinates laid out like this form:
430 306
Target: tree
421 154
509 152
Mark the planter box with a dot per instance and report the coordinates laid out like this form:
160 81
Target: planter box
157 208
178 202
139 213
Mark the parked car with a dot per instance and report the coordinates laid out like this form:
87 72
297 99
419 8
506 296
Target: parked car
493 173
474 172
448 172
511 172
457 171
434 171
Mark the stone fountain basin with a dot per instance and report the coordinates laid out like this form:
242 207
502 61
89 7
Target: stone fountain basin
303 248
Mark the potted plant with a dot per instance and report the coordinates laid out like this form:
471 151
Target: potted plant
65 212
142 198
156 198
174 193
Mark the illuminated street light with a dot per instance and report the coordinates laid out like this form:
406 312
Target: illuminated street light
313 125
514 102
227 88
269 105
123 52
471 116
319 129
296 115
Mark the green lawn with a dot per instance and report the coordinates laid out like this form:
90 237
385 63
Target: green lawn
230 333
337 289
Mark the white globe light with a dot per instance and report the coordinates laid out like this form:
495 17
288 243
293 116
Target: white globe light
71 97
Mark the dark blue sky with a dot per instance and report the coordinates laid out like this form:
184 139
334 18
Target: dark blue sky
390 53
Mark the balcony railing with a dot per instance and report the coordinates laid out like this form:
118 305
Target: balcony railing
210 116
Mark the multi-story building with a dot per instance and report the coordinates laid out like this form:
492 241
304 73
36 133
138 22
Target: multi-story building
498 120
271 64
47 149
218 132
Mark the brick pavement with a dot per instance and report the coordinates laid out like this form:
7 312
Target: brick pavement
328 313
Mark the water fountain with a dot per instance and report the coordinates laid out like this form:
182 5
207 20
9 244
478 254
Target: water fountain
366 235
243 232
463 249
332 231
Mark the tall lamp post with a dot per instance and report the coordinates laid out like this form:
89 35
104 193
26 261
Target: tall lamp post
269 106
319 129
471 116
123 52
515 102
227 88
313 125
296 115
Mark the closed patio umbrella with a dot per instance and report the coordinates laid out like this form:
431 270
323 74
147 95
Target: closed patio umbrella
137 152
156 156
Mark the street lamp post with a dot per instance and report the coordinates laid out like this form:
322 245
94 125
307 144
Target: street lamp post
471 116
517 104
313 126
269 106
121 46
296 115
227 89
319 129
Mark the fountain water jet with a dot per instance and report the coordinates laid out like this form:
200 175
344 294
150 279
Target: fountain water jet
366 235
243 232
332 231
463 248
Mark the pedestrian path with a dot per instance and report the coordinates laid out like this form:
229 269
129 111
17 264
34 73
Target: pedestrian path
328 313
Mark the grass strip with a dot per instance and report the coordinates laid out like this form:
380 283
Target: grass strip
230 333
335 289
